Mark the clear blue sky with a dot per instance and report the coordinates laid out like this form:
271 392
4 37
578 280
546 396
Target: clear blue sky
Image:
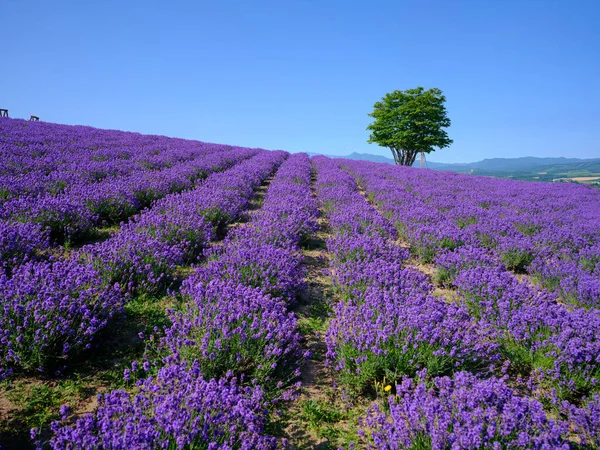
521 77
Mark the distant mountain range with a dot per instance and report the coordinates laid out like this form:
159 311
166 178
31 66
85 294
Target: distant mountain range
526 168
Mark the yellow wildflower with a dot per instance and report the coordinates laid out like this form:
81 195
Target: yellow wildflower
388 388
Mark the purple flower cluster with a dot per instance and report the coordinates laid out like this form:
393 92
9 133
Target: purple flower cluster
227 326
51 310
20 242
139 263
536 333
177 409
585 421
576 278
462 412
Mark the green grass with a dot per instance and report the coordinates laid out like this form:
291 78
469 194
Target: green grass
38 404
517 260
444 277
318 412
396 362
330 420
313 324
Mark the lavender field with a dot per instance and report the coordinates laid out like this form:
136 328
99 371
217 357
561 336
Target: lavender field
164 293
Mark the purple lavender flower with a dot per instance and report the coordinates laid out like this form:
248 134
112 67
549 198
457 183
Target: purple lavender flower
52 311
462 412
177 409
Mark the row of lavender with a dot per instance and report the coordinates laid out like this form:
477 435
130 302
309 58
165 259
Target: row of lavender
448 365
547 230
31 225
52 310
37 158
231 327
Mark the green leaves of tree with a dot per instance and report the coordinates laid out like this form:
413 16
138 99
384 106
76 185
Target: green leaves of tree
410 122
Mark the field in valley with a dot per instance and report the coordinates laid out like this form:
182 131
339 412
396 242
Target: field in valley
164 293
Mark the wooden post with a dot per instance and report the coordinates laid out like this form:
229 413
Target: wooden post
422 160
3 112
34 118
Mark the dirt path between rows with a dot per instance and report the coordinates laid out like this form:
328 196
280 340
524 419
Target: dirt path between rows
312 310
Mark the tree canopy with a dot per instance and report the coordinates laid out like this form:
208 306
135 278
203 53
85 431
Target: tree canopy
409 122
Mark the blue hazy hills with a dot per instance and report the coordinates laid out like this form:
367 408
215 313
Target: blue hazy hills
528 167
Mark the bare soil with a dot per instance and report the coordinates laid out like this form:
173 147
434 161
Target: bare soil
311 310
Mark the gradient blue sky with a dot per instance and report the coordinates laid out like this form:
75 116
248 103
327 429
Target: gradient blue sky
522 78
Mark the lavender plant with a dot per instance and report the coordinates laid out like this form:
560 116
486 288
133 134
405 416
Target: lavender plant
462 412
51 311
177 409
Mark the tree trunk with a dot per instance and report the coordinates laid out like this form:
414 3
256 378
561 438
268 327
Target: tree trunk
396 155
404 157
413 157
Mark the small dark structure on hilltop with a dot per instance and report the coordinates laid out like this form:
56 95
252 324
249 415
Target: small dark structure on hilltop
34 118
3 112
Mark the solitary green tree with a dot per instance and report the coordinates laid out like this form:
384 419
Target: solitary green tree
410 122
